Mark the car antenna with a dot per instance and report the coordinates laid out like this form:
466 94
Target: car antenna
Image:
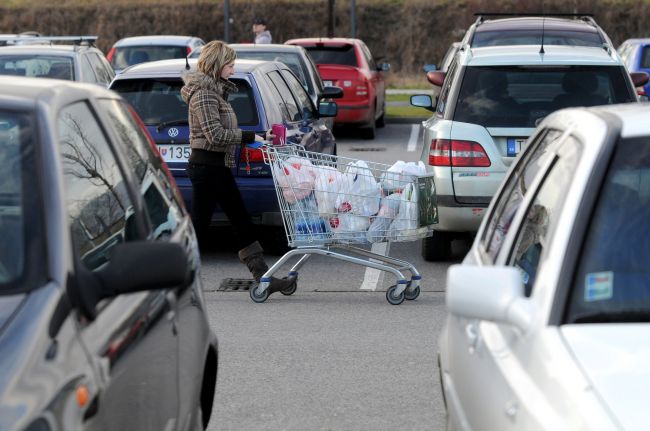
187 63
541 49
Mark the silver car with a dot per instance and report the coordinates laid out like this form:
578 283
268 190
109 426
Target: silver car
549 313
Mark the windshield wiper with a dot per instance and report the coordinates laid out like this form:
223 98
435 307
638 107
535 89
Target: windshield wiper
627 316
171 123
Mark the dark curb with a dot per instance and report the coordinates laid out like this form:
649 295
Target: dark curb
405 120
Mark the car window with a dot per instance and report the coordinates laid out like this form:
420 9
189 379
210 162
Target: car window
243 103
100 212
291 59
446 88
612 280
526 37
130 55
159 194
540 218
101 72
37 66
519 96
371 61
155 100
302 98
284 92
513 192
645 57
87 70
21 218
315 73
344 55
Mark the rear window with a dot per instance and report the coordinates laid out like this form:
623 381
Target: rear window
526 37
343 55
21 257
520 96
612 282
130 55
293 62
37 66
159 101
645 57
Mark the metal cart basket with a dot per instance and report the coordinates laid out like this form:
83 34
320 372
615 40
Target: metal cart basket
331 205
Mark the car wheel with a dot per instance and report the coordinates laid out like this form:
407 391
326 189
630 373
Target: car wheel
437 247
369 132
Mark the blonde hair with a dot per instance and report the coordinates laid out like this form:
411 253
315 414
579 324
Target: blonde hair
214 56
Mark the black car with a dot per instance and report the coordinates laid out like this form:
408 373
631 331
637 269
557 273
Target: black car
102 317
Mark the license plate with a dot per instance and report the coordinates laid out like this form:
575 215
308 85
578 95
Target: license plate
514 146
175 153
328 83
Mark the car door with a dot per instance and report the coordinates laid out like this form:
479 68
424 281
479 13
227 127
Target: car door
377 79
483 362
132 336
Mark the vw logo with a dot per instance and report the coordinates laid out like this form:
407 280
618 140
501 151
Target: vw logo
172 132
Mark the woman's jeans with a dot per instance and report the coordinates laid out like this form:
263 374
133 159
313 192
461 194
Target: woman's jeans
212 185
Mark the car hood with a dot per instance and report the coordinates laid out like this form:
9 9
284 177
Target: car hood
8 306
615 360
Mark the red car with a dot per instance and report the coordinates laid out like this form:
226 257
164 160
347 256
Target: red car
348 63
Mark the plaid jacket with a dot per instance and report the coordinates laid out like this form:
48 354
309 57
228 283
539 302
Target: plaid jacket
213 123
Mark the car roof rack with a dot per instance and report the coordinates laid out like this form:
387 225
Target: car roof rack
584 16
76 40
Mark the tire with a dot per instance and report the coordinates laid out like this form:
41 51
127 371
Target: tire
437 247
369 132
395 300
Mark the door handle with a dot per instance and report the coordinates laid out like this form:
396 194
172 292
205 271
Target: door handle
471 331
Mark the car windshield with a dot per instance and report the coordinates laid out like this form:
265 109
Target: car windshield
159 101
130 55
40 66
520 96
21 260
343 55
292 61
527 37
612 281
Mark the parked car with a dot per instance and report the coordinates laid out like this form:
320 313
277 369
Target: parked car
634 53
139 49
269 93
348 63
78 60
301 64
101 304
548 325
492 98
523 29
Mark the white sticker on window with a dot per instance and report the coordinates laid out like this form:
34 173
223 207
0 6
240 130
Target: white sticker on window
599 286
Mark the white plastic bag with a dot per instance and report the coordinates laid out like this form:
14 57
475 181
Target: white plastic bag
400 174
294 177
388 209
327 183
360 193
349 227
405 225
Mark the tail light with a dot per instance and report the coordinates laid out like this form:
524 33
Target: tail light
446 152
110 55
362 90
189 50
251 155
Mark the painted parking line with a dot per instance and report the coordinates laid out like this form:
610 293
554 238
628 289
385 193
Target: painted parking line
374 277
413 140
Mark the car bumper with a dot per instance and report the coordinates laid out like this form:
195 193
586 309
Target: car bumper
353 113
459 218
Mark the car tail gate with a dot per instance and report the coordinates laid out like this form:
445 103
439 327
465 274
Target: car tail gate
349 78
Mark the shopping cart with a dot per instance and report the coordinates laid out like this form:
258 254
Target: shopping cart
331 205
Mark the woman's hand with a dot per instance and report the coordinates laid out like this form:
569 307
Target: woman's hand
258 138
269 135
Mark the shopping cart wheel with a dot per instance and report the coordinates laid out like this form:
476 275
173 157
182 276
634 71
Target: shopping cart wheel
291 289
410 296
392 298
258 297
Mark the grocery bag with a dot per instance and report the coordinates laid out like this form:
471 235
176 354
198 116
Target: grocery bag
349 227
401 173
405 225
388 209
327 183
294 178
359 193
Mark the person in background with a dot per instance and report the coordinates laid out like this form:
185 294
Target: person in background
214 139
262 35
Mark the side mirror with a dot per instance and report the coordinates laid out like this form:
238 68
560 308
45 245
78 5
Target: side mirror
134 267
327 109
639 78
422 101
383 67
436 77
331 92
430 68
494 294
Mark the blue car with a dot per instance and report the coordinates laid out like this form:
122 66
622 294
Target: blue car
268 93
636 55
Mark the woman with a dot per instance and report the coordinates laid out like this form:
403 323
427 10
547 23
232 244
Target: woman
214 138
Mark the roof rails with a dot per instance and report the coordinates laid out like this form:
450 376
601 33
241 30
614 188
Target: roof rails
585 16
76 40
